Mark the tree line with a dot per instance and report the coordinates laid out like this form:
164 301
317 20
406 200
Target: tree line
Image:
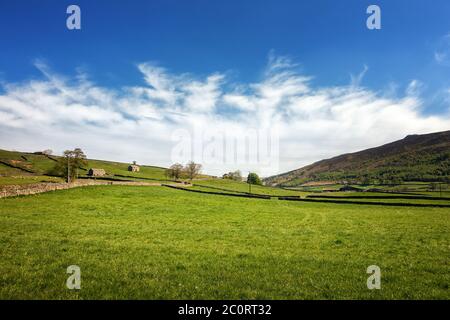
177 171
252 178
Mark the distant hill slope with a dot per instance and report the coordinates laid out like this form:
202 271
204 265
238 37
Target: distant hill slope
415 158
14 163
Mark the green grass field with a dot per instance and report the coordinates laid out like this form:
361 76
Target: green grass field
404 187
19 180
225 185
382 197
160 243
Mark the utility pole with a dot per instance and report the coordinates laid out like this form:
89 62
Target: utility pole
68 169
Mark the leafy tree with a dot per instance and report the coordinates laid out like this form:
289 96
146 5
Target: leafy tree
69 163
253 178
366 181
236 175
192 169
175 171
395 180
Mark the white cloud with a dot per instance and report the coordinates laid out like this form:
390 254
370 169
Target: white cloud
140 122
240 101
203 96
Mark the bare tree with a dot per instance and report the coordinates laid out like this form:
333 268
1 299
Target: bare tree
192 169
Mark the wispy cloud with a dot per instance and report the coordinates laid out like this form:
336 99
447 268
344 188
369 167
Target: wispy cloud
440 57
442 52
138 122
414 88
356 80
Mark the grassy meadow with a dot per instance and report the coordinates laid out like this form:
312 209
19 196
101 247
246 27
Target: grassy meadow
160 243
29 179
226 185
154 242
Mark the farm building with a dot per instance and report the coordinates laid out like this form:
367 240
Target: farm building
133 168
96 172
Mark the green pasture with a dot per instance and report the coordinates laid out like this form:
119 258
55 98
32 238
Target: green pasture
161 243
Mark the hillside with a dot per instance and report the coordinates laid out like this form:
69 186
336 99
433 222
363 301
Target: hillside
29 165
415 158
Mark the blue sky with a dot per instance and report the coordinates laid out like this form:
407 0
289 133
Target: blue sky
326 42
328 38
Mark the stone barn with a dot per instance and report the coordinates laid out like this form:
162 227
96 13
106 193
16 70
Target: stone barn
96 172
133 168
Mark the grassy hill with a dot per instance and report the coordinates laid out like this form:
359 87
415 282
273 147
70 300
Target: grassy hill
17 168
25 166
415 158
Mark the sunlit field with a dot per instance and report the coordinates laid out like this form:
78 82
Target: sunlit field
161 243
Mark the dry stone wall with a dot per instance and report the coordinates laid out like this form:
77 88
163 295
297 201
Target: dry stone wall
28 189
